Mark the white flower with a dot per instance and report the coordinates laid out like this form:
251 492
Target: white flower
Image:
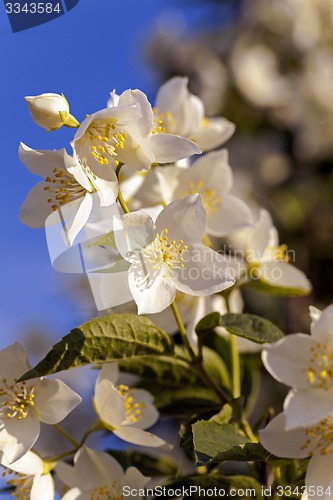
268 262
211 176
97 475
304 362
66 183
126 412
125 133
51 111
167 255
177 111
23 405
30 476
314 441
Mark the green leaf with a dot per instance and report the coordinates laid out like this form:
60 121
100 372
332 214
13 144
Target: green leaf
181 402
216 367
110 338
224 415
107 240
252 327
278 291
208 323
211 438
162 465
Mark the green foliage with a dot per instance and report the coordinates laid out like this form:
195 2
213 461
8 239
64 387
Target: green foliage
278 291
110 338
251 327
149 466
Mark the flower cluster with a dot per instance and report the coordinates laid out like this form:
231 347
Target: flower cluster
148 223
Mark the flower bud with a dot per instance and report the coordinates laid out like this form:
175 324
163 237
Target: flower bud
51 111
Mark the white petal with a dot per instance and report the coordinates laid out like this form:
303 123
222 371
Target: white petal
67 474
150 414
36 208
152 294
80 175
194 112
96 468
259 239
215 133
30 464
215 170
185 220
13 361
237 267
305 407
314 313
109 405
55 400
231 215
18 436
284 275
106 190
137 97
282 443
319 476
133 232
133 478
205 272
109 371
139 437
75 493
288 360
322 328
81 210
199 312
42 162
168 148
171 180
172 96
42 488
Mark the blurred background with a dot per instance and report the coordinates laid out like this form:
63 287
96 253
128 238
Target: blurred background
266 65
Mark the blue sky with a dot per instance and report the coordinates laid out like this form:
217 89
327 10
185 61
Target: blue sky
86 53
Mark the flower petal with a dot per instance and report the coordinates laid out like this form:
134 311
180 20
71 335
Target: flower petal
172 97
319 476
214 169
13 362
75 493
55 400
151 292
259 239
284 275
304 407
80 210
36 208
30 464
168 148
67 474
43 162
139 437
231 215
134 479
185 220
42 488
137 97
214 132
133 232
322 327
288 360
108 404
18 436
96 468
205 272
282 443
109 371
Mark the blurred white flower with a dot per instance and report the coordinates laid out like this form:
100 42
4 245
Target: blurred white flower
30 476
66 183
310 441
212 178
126 133
167 255
257 75
97 475
124 411
51 111
267 261
304 362
23 405
177 111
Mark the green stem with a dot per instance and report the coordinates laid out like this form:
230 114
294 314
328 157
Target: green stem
196 362
66 435
55 458
122 202
97 426
248 431
235 364
182 330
